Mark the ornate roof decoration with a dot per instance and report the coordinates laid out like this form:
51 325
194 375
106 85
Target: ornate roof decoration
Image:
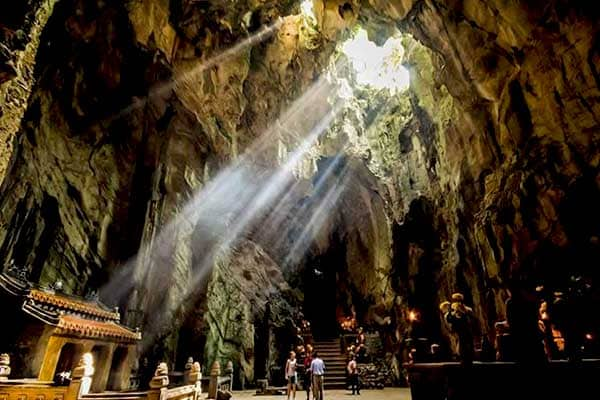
70 315
71 325
60 302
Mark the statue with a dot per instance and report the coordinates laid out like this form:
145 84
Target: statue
196 367
85 368
82 375
4 366
58 286
460 320
192 372
161 376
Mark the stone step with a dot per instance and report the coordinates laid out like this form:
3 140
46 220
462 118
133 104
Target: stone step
335 385
335 376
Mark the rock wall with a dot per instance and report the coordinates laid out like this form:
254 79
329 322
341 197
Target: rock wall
485 171
517 152
248 301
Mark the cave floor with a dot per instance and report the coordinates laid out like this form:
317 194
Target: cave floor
385 394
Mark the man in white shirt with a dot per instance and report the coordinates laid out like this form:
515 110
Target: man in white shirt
317 369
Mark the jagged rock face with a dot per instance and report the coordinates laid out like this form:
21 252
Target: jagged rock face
484 171
511 167
20 29
248 305
110 149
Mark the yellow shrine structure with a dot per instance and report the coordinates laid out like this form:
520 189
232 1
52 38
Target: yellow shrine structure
58 329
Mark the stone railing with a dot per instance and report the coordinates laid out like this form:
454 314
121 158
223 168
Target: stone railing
81 381
220 383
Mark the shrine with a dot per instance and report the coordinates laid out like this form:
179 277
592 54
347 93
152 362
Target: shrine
58 329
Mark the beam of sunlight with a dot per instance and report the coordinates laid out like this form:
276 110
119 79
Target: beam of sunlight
232 182
163 88
307 9
318 215
218 214
278 215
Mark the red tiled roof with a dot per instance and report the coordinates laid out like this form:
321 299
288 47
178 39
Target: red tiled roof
78 306
69 324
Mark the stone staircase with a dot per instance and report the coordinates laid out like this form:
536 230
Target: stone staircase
335 363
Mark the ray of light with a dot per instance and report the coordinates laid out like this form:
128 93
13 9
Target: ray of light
163 88
222 210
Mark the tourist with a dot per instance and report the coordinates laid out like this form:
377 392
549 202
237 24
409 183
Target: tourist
353 376
300 369
290 375
361 347
307 374
299 340
317 370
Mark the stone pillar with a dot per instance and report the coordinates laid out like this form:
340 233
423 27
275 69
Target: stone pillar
213 384
103 366
81 378
159 383
51 356
4 366
121 375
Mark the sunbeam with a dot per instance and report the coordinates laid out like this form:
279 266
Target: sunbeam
222 211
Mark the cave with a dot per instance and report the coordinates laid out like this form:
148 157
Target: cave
229 181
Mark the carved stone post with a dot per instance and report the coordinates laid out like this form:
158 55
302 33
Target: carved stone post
195 378
229 371
81 378
4 366
213 385
187 372
159 383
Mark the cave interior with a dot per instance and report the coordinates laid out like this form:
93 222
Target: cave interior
224 172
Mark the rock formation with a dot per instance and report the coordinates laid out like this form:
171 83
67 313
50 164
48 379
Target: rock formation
483 172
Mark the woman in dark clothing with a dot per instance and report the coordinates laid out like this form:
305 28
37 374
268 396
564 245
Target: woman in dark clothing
307 376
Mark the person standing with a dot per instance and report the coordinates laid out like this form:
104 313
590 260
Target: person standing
290 375
353 376
307 374
317 369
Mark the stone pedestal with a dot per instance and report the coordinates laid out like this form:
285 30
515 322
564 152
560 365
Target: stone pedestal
160 381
